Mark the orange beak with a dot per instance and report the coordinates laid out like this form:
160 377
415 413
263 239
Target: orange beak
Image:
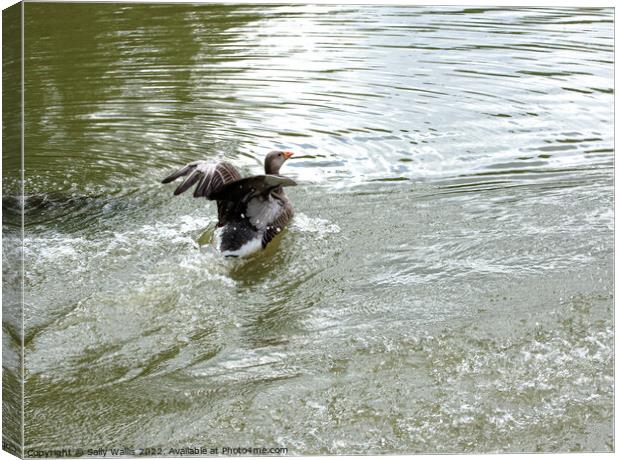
287 155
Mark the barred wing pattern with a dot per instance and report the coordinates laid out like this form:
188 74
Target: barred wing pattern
210 177
278 224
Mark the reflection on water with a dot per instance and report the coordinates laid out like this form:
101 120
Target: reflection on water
366 93
445 286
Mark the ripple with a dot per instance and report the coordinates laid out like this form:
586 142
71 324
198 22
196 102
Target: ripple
222 97
448 271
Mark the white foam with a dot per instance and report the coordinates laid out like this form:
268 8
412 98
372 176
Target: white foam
314 225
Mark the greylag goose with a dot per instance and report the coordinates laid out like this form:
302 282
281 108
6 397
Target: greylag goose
251 211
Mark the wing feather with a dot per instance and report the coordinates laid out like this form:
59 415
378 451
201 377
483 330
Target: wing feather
179 173
210 177
251 186
278 224
190 180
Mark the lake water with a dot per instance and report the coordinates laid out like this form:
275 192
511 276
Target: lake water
445 286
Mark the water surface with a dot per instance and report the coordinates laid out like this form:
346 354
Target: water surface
445 286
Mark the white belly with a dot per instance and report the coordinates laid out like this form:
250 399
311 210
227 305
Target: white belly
252 246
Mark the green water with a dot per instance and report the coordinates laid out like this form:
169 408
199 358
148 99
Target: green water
445 286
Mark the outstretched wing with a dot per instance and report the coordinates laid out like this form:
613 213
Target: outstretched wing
237 197
248 187
210 177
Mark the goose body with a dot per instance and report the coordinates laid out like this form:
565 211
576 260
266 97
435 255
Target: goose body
251 211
